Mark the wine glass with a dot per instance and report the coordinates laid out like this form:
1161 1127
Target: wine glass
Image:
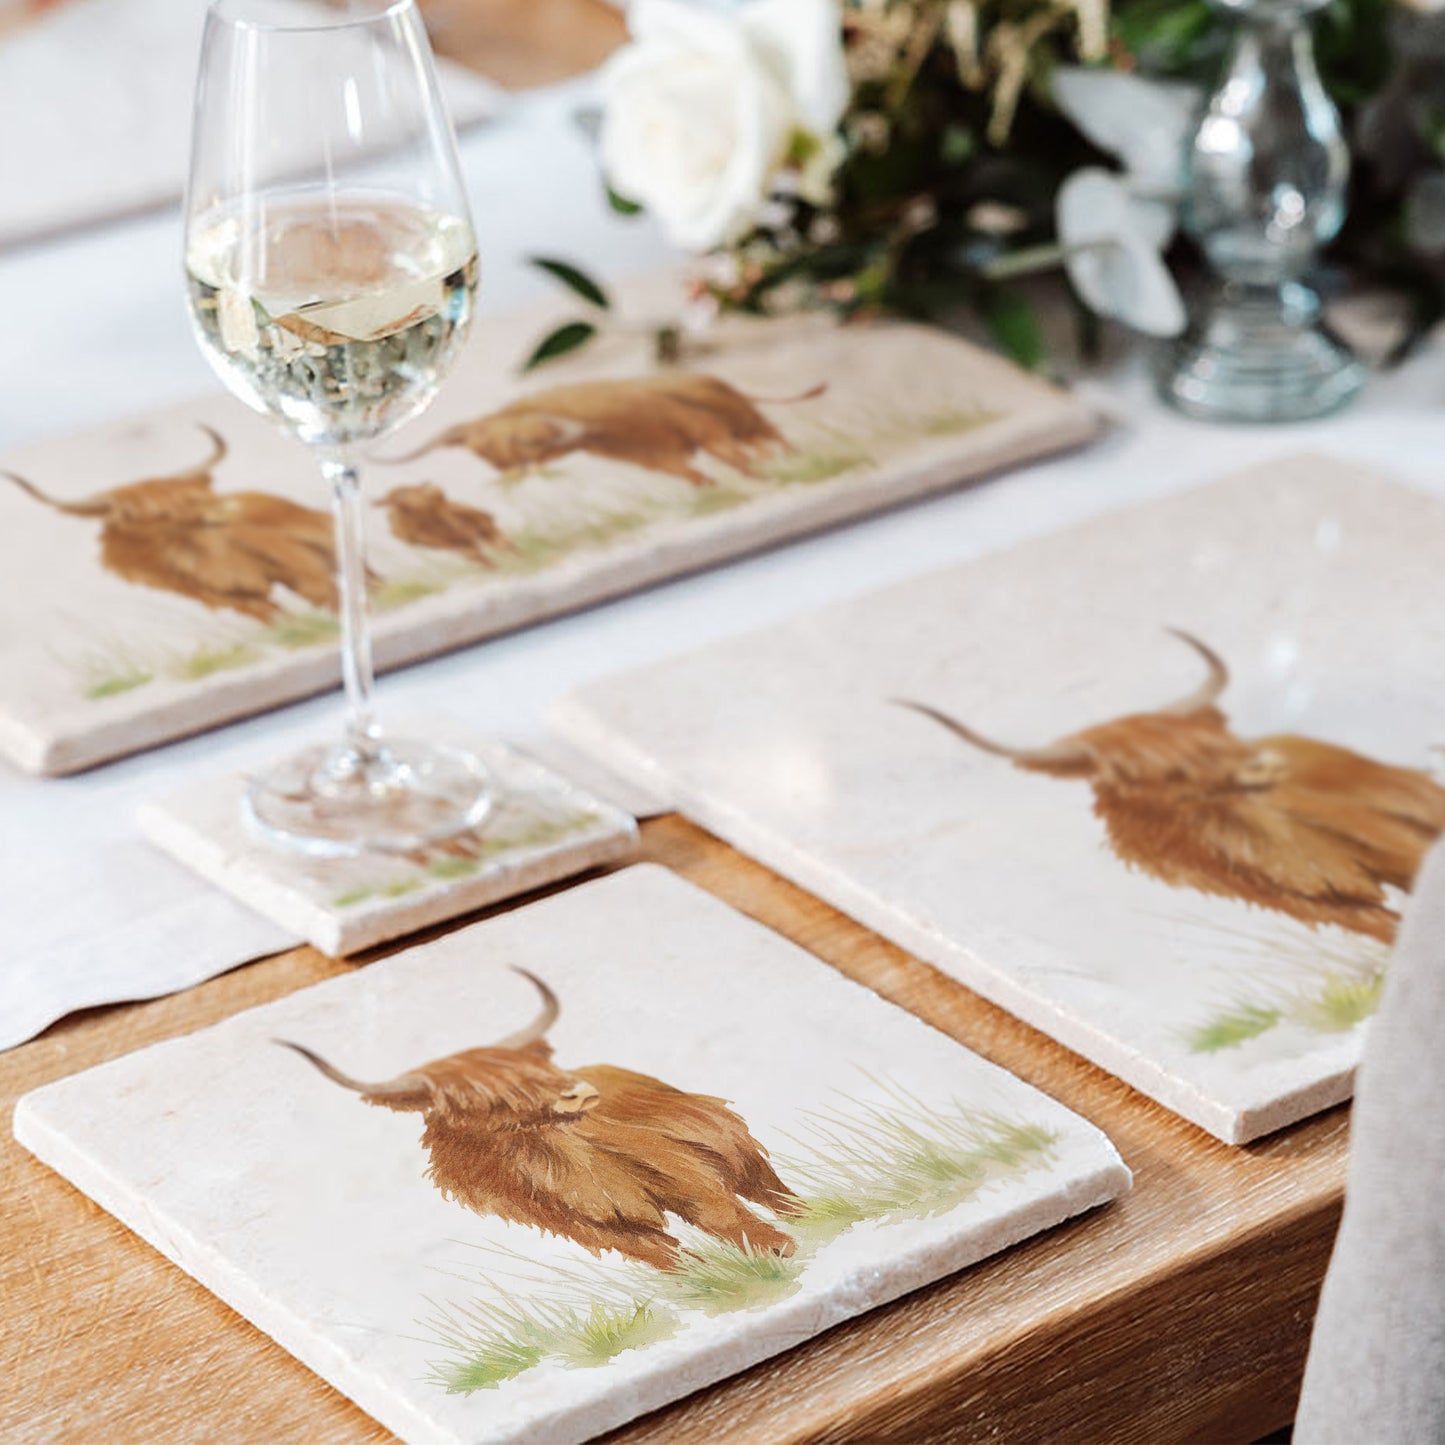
331 271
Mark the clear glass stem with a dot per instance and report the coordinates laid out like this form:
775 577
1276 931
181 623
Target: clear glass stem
363 732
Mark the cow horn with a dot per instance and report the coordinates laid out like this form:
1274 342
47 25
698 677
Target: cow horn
1055 754
537 1029
218 453
91 507
1207 693
453 436
405 1084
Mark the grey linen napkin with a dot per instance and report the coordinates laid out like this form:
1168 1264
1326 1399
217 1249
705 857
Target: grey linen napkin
1376 1366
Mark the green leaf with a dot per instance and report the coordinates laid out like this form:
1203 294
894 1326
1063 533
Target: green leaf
1014 325
573 279
560 342
956 145
621 204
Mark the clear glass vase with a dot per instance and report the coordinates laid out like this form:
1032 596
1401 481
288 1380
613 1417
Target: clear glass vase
1266 172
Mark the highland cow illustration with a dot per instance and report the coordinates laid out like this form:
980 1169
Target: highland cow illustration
425 516
1305 828
662 423
229 552
599 1155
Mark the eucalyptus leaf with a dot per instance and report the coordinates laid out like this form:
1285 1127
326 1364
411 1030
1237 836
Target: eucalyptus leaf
1013 323
560 342
621 204
578 281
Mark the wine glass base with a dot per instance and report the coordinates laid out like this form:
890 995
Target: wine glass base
1260 356
337 802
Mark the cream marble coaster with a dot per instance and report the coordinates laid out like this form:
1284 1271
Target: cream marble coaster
827 1152
541 828
1189 872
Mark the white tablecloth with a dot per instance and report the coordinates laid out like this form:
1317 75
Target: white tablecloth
95 111
95 329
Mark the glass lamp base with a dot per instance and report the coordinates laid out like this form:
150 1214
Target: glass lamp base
1260 354
337 802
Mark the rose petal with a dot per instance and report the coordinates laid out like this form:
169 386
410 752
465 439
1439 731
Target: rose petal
1111 242
1144 122
1130 283
1095 204
803 40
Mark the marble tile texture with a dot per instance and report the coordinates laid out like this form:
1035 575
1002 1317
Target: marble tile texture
137 616
541 828
902 1157
1201 897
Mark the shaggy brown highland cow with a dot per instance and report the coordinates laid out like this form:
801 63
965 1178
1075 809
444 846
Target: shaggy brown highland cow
599 1155
661 423
1306 828
229 551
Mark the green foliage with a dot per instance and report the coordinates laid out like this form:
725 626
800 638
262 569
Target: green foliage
559 342
1171 37
1014 325
621 204
576 281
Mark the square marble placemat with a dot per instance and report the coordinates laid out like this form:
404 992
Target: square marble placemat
540 829
828 1152
1188 872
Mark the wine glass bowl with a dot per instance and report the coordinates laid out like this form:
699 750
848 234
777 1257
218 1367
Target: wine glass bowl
331 271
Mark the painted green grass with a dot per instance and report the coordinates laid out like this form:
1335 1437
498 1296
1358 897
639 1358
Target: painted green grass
453 867
482 846
822 453
1340 1002
537 548
904 1160
580 1319
303 629
877 1160
808 467
208 660
717 1277
392 594
115 683
956 421
1324 983
1234 1026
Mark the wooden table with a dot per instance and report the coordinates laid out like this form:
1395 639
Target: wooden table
1181 1312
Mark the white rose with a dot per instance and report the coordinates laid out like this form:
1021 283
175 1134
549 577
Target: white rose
1112 241
701 108
802 41
1145 123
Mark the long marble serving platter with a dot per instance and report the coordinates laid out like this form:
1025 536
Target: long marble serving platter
175 571
415 1180
1158 784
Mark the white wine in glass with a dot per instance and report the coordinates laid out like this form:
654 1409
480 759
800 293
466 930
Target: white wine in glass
331 271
